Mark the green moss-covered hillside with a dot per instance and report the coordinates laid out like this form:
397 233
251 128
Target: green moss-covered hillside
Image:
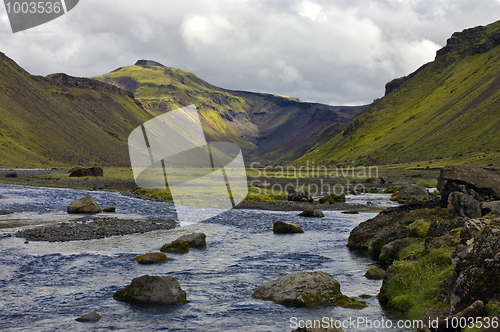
448 110
266 126
62 121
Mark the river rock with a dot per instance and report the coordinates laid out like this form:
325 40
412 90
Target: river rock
183 243
151 258
442 227
331 199
152 290
84 205
412 192
110 209
476 309
390 252
463 205
194 240
284 227
391 224
488 207
375 181
311 212
305 289
477 182
299 194
477 268
90 317
447 240
472 227
81 172
175 247
11 175
375 274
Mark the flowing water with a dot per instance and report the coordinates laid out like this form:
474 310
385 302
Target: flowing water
45 286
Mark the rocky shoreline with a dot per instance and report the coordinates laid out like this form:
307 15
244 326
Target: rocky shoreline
441 254
89 228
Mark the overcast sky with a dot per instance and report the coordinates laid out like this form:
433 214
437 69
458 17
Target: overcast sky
335 52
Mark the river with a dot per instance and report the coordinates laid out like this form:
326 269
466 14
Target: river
45 286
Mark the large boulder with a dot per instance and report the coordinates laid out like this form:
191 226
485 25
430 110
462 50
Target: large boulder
442 227
91 317
477 267
477 182
375 273
151 258
488 207
391 224
194 240
84 205
311 212
299 194
305 289
463 205
331 199
410 192
284 227
183 243
81 172
390 252
152 290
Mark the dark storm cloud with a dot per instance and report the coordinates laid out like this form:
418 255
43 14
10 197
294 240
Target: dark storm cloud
337 52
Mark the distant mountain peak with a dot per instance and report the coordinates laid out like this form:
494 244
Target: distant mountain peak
148 63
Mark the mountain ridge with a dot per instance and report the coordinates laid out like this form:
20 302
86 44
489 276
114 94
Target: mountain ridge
446 110
268 127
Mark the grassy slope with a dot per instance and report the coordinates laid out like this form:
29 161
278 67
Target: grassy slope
161 89
268 127
448 109
63 121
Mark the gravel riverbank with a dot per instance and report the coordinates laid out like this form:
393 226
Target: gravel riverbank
88 228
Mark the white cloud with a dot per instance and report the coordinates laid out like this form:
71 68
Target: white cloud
340 52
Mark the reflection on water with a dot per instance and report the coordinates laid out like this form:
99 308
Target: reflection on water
45 286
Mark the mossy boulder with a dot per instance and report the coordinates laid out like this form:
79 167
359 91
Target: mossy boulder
84 205
411 192
484 186
390 252
306 289
151 258
299 194
331 199
461 205
375 273
152 290
477 267
183 243
391 224
311 212
175 247
284 227
194 240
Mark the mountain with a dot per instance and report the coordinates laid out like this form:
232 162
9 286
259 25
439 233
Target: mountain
446 111
60 120
267 127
